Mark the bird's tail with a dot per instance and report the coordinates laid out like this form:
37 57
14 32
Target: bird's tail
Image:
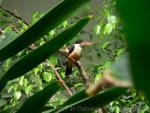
68 67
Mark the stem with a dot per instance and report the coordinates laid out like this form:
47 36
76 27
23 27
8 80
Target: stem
14 15
60 79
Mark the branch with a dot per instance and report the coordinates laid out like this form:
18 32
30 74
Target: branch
14 15
83 74
59 78
78 64
106 81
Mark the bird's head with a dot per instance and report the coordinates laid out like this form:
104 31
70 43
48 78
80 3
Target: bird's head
83 43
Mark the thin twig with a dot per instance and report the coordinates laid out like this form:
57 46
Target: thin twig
60 79
14 15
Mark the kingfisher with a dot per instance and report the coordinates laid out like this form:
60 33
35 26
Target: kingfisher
74 54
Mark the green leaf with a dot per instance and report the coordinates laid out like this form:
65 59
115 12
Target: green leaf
120 51
17 95
34 58
136 21
107 64
53 59
120 69
52 19
36 103
78 96
98 29
47 76
112 19
98 76
28 89
105 44
90 104
6 38
11 109
2 102
21 81
108 28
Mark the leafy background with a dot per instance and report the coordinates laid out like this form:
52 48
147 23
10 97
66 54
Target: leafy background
110 43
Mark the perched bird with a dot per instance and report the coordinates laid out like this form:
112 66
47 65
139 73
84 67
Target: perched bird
74 54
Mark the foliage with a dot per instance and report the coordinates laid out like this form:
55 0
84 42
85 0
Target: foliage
139 32
31 82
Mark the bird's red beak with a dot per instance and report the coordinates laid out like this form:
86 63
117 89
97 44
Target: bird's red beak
86 43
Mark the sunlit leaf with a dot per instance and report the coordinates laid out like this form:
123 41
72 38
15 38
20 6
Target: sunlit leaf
28 89
17 95
47 76
98 29
53 59
108 28
107 64
98 76
120 51
105 44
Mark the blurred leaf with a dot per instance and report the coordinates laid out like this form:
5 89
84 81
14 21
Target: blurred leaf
17 95
11 109
47 76
98 29
15 86
110 25
21 81
136 18
1 1
35 103
90 104
36 16
7 64
35 70
108 28
117 110
120 51
65 24
78 96
28 89
105 44
7 38
53 59
25 82
2 102
77 85
112 19
52 19
27 63
98 76
107 64
52 33
120 68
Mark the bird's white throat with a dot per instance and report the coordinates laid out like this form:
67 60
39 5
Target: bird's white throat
77 49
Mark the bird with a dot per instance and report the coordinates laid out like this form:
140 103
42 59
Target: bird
74 54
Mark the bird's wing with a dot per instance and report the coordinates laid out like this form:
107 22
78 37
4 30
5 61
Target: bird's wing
71 49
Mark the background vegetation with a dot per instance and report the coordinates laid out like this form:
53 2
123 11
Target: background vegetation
109 37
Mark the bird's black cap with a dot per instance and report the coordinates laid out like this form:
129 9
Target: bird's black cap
79 41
